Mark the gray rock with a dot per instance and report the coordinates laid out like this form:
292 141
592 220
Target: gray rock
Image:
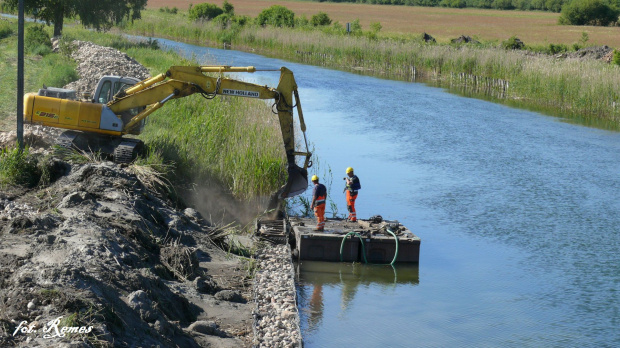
206 285
74 199
192 214
139 301
207 328
230 295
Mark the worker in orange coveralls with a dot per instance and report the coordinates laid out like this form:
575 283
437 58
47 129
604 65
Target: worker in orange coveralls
353 185
319 194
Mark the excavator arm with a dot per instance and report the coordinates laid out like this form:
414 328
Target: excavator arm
182 81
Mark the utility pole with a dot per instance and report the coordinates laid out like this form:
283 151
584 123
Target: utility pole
20 76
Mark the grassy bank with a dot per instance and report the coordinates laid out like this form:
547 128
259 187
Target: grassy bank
49 69
582 90
232 141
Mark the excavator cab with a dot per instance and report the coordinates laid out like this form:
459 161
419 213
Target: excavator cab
110 86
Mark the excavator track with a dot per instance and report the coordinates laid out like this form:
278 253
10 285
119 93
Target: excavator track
121 150
127 150
66 139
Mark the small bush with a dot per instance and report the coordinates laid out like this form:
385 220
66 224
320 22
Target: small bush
616 58
356 27
557 48
241 20
277 16
228 8
66 45
5 29
204 11
320 19
302 21
376 27
588 12
226 36
18 168
513 44
223 20
165 9
35 37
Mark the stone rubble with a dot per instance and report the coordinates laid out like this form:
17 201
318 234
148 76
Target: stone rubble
276 319
96 61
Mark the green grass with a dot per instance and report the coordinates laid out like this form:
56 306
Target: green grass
18 168
580 90
50 69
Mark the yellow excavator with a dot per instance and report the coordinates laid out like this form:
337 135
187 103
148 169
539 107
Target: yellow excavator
121 105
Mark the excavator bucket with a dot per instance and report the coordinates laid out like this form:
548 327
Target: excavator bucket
296 184
297 181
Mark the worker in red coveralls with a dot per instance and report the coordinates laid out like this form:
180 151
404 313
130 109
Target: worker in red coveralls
353 185
319 194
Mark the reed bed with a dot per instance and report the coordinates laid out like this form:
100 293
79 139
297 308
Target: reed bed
576 88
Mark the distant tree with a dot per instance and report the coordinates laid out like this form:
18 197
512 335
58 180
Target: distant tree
277 16
98 14
320 19
503 4
204 11
554 5
228 8
589 12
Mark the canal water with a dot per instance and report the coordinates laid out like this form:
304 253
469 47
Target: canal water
519 216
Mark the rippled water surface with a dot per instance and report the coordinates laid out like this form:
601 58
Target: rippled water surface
518 213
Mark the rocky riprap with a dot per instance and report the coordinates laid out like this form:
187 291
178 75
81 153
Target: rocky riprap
276 319
95 61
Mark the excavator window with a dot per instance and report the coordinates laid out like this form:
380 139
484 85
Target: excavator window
104 94
120 86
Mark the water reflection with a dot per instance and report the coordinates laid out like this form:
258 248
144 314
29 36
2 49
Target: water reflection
314 276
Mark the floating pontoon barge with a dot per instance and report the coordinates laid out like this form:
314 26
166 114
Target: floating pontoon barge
373 241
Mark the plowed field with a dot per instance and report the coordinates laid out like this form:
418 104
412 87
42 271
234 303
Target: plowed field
442 23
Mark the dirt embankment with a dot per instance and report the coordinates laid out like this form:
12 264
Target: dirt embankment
103 252
95 258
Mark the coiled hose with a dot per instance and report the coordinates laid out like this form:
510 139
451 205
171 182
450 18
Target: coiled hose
364 249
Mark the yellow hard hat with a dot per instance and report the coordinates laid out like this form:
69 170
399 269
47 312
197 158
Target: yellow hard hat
315 178
349 170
